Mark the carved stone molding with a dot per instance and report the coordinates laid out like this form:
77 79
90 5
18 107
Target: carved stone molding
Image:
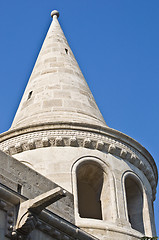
28 227
100 145
77 138
73 142
87 143
10 217
3 204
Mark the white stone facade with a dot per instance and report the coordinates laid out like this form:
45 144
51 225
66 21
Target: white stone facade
60 133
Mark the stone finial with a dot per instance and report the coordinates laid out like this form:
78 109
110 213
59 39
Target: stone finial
55 13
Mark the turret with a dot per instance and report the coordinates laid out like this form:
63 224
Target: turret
59 131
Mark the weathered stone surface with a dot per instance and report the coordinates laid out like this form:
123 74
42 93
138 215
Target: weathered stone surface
14 173
110 179
54 67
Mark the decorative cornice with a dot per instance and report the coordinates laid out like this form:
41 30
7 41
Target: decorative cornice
102 139
105 131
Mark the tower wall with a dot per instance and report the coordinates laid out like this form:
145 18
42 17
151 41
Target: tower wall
72 158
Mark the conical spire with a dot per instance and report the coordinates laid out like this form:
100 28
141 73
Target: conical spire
57 90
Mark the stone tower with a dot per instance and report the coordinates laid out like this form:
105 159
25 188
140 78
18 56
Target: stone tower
59 131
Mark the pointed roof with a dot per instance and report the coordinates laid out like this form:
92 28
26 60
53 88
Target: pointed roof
57 90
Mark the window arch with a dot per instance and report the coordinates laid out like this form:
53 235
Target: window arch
90 179
134 202
93 188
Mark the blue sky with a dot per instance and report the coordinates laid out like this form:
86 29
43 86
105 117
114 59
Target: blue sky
116 44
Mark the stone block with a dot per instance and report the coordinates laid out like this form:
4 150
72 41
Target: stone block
52 103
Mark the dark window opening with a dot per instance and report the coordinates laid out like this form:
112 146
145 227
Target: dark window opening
66 50
89 186
29 95
134 197
19 188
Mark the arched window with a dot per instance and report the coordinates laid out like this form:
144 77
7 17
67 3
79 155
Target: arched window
134 199
90 178
93 189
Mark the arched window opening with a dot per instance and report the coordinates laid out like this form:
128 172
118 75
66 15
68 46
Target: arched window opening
134 197
90 178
